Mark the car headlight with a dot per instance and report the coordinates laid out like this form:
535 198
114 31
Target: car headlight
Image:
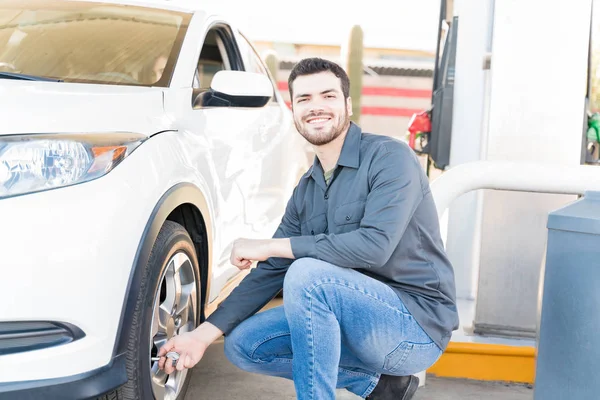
32 163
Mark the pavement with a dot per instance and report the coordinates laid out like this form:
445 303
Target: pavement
215 378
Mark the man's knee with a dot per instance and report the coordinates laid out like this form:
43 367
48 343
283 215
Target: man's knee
305 273
234 347
308 278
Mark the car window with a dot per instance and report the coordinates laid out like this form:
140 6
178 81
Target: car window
218 53
252 61
213 58
90 42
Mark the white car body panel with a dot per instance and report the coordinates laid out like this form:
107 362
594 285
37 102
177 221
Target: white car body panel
72 259
249 173
73 107
67 254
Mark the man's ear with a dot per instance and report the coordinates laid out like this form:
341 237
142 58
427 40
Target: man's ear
349 105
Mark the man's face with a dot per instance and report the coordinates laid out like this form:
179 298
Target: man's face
320 112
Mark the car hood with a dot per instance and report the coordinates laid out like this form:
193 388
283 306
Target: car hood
51 107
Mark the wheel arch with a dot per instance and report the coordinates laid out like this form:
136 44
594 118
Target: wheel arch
192 219
183 203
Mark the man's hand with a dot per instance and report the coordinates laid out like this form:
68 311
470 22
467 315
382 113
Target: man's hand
246 251
190 346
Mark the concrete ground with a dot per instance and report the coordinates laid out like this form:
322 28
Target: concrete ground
215 378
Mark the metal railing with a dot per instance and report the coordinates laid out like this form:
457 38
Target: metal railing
513 176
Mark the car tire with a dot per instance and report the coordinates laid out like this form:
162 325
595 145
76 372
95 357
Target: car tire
172 245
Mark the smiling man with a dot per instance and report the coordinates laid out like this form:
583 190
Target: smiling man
369 294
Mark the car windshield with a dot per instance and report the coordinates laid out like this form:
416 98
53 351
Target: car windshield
90 42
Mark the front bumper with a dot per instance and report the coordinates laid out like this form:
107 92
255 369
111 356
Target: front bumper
66 256
88 385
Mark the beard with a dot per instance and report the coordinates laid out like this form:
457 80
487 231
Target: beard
320 137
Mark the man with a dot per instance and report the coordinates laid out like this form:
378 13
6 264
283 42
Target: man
369 295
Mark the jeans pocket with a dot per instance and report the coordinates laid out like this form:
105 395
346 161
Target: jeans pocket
409 358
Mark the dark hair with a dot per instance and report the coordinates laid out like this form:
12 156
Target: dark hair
314 65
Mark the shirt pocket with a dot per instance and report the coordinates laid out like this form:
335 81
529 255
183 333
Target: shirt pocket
315 225
349 213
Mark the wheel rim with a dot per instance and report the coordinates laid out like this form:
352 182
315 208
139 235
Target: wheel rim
174 312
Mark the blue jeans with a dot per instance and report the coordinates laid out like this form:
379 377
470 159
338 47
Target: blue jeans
337 328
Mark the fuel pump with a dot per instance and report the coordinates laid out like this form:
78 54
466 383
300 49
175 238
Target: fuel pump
430 131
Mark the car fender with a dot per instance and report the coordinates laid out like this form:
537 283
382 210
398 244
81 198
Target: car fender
182 193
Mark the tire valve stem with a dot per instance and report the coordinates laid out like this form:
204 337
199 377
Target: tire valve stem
172 355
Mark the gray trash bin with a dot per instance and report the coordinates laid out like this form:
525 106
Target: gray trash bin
568 360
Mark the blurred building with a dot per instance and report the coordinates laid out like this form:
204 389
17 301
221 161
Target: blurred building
397 83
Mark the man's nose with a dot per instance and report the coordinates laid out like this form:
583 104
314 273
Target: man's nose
317 106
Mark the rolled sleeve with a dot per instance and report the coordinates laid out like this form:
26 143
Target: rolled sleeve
223 320
304 246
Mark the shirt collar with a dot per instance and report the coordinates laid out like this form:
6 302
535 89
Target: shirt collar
317 173
349 156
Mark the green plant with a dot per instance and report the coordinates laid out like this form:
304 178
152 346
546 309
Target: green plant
354 68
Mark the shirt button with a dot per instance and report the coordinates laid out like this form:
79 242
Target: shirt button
347 218
326 196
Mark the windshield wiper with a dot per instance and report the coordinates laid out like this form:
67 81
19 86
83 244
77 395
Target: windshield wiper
23 77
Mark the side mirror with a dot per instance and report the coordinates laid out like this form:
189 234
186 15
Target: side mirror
239 89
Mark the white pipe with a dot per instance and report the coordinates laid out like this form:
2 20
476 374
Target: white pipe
513 176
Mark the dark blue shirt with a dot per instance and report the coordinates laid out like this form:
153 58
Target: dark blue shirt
377 216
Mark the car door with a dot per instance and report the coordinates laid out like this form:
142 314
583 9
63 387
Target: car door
265 209
236 141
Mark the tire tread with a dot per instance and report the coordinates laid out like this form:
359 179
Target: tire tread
130 391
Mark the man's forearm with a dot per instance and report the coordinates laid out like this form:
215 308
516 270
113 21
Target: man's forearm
208 333
246 251
252 294
281 248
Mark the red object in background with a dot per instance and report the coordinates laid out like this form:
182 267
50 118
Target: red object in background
419 122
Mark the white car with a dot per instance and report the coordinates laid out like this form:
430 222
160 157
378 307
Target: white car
138 140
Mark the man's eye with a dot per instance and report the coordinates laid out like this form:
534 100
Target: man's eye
300 100
330 96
